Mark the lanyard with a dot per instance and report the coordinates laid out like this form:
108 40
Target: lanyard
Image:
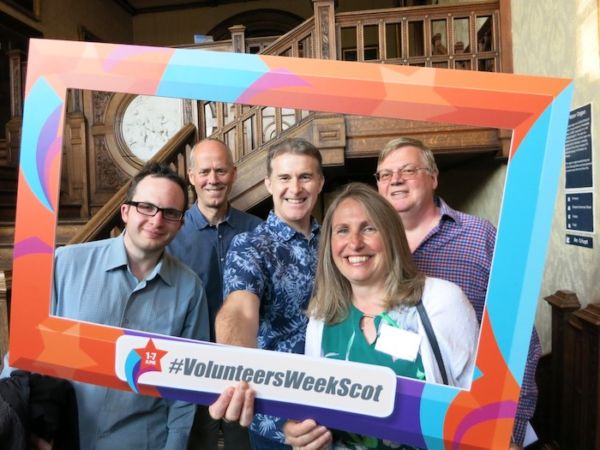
386 317
383 316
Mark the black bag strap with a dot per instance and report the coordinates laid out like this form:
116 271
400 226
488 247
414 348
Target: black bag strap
432 340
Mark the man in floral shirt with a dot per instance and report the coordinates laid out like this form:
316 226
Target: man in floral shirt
269 271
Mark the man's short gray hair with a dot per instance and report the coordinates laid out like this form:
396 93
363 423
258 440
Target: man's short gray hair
398 143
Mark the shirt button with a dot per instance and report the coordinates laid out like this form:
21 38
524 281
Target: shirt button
220 236
222 259
126 322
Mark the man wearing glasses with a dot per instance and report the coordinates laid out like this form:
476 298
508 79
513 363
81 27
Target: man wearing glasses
131 282
202 243
446 243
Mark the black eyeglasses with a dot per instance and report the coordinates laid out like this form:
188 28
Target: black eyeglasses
148 209
407 173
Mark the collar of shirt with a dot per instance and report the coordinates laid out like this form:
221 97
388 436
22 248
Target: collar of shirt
446 214
446 211
200 221
117 259
285 232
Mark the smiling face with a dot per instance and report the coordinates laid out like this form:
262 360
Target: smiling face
146 234
212 174
295 183
357 246
407 196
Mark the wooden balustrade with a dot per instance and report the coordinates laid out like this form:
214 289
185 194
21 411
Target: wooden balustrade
387 36
298 43
465 36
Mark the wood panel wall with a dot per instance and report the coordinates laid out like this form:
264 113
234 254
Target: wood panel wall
575 394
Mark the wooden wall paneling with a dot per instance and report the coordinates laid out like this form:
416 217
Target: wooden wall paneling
563 304
105 176
366 136
586 422
74 199
570 413
329 136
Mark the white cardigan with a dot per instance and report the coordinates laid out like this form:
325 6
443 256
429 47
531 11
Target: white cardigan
454 324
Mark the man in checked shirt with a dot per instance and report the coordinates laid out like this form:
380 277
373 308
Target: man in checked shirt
447 244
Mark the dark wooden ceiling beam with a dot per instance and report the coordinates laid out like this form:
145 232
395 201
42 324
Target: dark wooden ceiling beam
173 6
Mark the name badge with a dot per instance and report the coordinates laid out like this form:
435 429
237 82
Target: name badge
398 343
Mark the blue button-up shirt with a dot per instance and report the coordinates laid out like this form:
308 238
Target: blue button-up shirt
203 248
93 283
277 264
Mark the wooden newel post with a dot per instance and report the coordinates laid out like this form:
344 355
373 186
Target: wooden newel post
238 38
325 39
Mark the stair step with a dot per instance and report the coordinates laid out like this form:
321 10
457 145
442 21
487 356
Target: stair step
8 196
8 192
8 211
9 174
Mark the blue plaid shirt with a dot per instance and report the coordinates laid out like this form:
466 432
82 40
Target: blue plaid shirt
460 249
277 264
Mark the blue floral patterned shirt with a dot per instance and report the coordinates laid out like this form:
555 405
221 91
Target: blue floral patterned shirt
277 264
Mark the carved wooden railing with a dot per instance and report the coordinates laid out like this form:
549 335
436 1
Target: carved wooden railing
469 39
174 152
247 128
465 36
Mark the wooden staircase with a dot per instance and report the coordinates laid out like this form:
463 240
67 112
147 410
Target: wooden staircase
385 36
377 36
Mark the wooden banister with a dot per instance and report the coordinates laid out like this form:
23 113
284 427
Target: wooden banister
173 152
290 44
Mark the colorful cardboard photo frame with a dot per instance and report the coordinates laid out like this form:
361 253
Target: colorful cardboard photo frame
424 415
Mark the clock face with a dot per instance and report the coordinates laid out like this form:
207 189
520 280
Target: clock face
149 122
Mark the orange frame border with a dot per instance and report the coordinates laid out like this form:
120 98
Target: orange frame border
428 415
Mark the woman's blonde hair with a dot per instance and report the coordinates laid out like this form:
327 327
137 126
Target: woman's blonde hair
332 292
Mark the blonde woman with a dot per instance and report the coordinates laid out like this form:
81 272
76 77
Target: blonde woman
366 286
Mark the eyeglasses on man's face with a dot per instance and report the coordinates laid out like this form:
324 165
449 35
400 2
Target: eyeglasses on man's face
406 173
148 209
